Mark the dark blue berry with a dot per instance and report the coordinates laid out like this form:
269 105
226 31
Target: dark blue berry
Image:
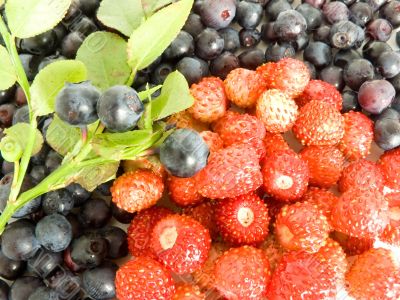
117 243
104 188
66 284
275 7
89 250
4 288
53 161
350 101
346 34
30 63
372 50
42 44
44 262
121 215
38 173
84 26
218 14
301 41
361 13
387 129
388 64
223 64
6 167
312 15
357 72
95 213
71 43
193 25
376 4
10 269
376 95
21 115
209 44
311 69
76 226
391 12
249 14
44 293
20 97
318 53
336 11
289 25
334 76
23 287
39 158
7 95
79 194
161 72
275 52
231 39
49 60
395 81
251 58
193 68
267 32
7 112
249 37
54 232
33 205
99 282
380 30
59 201
182 45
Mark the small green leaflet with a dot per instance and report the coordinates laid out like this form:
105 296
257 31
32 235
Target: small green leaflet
175 97
62 137
150 6
27 18
91 177
122 15
51 80
146 94
104 55
7 72
18 132
152 37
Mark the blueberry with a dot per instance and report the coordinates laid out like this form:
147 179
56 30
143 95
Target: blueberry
42 44
104 188
231 39
99 282
380 29
357 72
193 25
39 158
373 49
89 7
268 33
76 226
251 58
197 6
396 103
376 4
4 288
275 52
44 293
395 81
6 167
312 15
318 53
184 153
89 250
7 95
334 76
223 64
49 60
249 14
388 64
76 103
84 26
32 206
182 45
249 37
193 68
7 112
387 129
79 194
391 13
289 25
117 242
23 287
95 213
209 44
336 11
218 14
53 161
315 3
11 269
376 95
66 284
71 43
38 173
61 31
361 13
21 115
54 232
20 97
59 201
161 72
44 262
311 69
275 7
30 63
301 42
350 101
121 215
346 34
344 57
119 108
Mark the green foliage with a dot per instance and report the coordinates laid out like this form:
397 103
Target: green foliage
7 72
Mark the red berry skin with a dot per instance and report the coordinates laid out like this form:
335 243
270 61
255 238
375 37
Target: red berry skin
321 91
285 175
204 213
183 191
358 135
242 273
180 243
361 213
213 140
274 142
302 226
324 199
352 245
325 164
362 174
389 163
139 231
273 251
230 172
319 124
333 254
210 102
137 190
184 119
243 87
375 274
243 220
143 278
188 292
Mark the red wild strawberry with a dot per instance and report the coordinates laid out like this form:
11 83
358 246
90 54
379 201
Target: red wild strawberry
183 191
389 163
143 278
374 275
230 172
319 124
393 197
273 251
321 91
184 119
140 229
242 220
243 87
361 213
352 245
180 243
285 175
274 208
151 163
210 102
302 226
274 142
242 273
188 292
138 190
325 164
391 234
333 254
289 75
358 135
204 213
277 111
213 140
362 174
324 199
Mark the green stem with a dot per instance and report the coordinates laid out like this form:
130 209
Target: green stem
13 196
131 78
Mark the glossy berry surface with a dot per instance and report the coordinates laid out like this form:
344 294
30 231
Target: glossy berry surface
54 232
99 282
217 14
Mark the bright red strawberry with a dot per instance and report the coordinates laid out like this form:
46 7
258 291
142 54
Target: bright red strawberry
362 174
204 213
183 191
374 275
319 124
391 234
213 140
230 172
324 199
334 255
274 142
273 251
243 87
389 163
188 292
352 245
210 102
302 226
277 111
138 190
151 163
325 164
184 119
285 175
393 197
274 208
358 135
139 231
180 243
288 75
302 276
143 278
242 273
321 91
361 213
243 220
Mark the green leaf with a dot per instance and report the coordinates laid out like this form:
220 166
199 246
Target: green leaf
51 80
104 55
62 137
151 6
122 15
27 18
1 2
152 37
7 72
19 131
91 177
175 97
145 121
147 93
